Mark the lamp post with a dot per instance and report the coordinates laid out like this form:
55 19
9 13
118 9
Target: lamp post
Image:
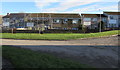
100 21
38 26
82 22
50 21
81 19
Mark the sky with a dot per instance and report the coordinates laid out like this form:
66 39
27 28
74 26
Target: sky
57 6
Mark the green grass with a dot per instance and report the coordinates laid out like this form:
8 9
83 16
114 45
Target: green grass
53 36
24 58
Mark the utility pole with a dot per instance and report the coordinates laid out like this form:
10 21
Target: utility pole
82 22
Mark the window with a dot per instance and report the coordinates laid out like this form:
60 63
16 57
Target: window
94 19
104 19
65 28
56 20
119 17
109 25
87 19
74 28
111 17
75 21
65 20
114 25
6 19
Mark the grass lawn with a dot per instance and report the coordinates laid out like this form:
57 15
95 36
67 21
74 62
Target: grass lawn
24 58
54 36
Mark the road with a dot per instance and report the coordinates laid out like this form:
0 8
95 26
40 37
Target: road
95 56
96 52
90 41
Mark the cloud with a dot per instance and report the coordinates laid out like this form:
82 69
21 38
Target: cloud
98 8
17 0
112 8
63 6
43 3
58 0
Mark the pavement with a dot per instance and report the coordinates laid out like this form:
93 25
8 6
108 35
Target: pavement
113 40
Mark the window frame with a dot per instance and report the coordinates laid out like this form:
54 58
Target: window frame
55 20
65 21
95 19
76 21
84 19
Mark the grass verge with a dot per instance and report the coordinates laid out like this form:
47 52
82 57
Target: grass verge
53 36
24 58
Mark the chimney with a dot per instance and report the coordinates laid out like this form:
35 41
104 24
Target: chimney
7 13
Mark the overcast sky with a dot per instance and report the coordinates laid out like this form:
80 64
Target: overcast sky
58 6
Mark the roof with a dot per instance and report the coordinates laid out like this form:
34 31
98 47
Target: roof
0 19
6 16
94 15
18 15
62 15
112 13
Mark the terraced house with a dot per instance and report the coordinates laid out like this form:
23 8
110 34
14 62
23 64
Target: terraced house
36 21
92 21
113 19
64 21
13 20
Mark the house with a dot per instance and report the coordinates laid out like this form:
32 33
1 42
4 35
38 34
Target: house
43 21
112 19
65 21
5 22
55 20
60 21
14 20
92 21
0 22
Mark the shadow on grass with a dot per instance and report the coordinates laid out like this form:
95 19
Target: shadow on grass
24 58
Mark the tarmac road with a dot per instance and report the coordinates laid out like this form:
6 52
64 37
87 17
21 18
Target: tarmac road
95 56
96 52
